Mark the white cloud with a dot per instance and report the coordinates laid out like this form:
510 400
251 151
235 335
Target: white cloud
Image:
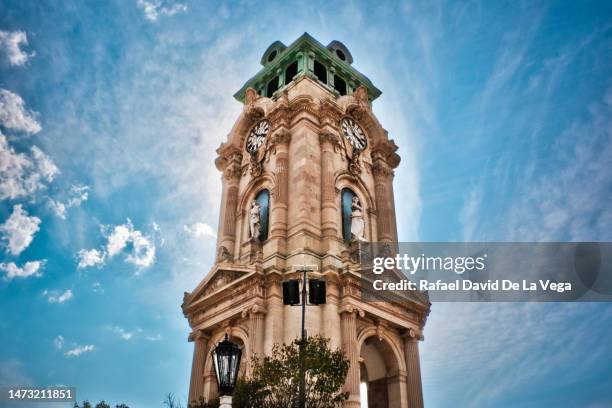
90 257
54 298
22 175
10 45
14 115
77 351
58 342
19 229
200 230
118 239
154 9
124 334
142 252
31 268
140 249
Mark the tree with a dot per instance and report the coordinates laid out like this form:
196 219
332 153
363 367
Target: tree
275 379
200 403
102 404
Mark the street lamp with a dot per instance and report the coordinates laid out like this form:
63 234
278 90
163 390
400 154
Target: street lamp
226 358
291 297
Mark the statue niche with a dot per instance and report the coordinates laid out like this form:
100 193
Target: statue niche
258 216
353 223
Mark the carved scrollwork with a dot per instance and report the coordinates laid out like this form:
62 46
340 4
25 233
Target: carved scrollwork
355 163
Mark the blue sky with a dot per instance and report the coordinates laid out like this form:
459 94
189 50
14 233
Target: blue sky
110 113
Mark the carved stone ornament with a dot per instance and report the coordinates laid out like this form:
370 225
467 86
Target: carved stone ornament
224 255
250 96
256 166
255 220
355 163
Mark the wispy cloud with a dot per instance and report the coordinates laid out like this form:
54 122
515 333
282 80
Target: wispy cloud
58 342
157 8
19 230
11 43
200 230
122 333
76 195
56 297
79 350
572 202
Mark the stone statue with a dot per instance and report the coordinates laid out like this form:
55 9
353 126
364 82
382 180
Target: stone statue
357 223
255 220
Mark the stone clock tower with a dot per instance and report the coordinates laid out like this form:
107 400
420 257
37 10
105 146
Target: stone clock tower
307 172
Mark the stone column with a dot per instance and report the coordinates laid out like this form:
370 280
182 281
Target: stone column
413 368
329 208
348 317
256 332
383 189
200 351
278 210
231 178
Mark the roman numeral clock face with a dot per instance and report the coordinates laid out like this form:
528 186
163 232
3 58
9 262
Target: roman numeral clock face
257 136
353 133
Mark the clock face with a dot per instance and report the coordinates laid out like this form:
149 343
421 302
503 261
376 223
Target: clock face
257 136
354 134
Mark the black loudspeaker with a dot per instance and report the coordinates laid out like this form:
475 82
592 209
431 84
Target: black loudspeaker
316 291
291 292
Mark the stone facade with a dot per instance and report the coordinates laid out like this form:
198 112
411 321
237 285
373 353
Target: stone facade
305 162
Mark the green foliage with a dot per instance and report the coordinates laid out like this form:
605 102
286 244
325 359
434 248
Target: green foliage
200 403
275 379
101 404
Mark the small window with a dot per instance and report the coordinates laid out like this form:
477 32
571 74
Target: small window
291 72
340 85
320 72
272 56
263 199
341 55
272 87
347 210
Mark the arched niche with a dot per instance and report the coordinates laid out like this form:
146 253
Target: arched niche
263 198
251 191
347 182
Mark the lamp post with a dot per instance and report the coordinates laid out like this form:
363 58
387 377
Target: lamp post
226 358
291 296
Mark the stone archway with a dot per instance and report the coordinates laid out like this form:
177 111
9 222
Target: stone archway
380 381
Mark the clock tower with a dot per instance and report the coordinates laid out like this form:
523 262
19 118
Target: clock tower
307 173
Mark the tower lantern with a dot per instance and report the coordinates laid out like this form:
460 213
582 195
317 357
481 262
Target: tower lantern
307 172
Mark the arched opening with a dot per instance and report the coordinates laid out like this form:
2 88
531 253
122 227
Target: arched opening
379 375
340 85
263 199
272 87
320 72
346 205
291 72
